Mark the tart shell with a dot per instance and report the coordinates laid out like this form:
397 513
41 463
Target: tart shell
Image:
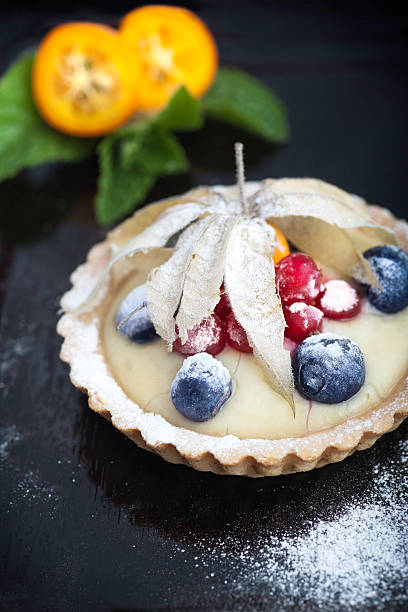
229 454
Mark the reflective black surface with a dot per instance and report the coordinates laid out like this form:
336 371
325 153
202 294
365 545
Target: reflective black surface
89 521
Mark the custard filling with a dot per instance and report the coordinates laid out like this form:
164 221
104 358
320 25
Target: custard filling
146 372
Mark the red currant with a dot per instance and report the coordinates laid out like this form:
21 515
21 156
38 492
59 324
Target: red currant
302 319
340 300
236 335
207 337
223 308
289 345
298 279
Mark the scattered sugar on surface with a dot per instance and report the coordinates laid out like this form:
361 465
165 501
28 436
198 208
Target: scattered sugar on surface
403 445
12 351
347 561
8 438
31 487
26 485
343 562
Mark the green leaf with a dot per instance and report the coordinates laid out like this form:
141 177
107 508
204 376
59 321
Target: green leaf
119 188
162 153
183 112
26 140
130 165
134 156
240 99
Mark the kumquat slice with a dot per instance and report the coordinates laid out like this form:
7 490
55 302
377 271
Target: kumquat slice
171 46
83 79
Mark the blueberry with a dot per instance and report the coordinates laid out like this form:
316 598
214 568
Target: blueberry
390 267
328 368
201 387
133 319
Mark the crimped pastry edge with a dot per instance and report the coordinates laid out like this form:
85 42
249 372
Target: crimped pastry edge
221 455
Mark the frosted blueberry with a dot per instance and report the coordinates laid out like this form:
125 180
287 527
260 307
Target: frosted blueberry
201 387
133 319
390 266
328 368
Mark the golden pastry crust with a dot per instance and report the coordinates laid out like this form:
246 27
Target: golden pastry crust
89 372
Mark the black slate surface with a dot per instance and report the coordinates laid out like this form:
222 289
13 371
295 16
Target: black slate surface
89 521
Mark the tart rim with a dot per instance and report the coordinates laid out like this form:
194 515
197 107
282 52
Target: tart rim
225 454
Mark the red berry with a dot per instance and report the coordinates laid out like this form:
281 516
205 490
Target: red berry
236 335
223 308
302 319
289 345
340 300
207 337
298 279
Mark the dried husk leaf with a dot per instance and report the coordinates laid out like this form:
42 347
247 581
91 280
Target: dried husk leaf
141 219
333 231
142 261
316 186
155 235
165 284
210 197
204 275
158 233
250 283
144 217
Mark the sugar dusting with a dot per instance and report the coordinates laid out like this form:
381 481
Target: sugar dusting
32 487
27 485
13 350
205 365
347 561
339 298
8 439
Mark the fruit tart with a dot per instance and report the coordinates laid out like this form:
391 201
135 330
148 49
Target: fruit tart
256 329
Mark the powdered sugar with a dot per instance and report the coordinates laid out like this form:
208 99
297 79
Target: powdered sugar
297 307
349 560
328 368
390 267
12 350
8 438
202 364
201 387
133 319
32 487
340 300
343 564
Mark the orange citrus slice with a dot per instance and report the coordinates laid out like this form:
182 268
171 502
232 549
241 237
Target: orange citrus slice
282 247
82 79
171 47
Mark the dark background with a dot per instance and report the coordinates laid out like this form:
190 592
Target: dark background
89 521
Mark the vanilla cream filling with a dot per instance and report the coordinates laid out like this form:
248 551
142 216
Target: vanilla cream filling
145 373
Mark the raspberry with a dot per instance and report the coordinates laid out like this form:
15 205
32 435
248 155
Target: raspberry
298 279
302 319
289 345
236 335
340 300
207 337
223 308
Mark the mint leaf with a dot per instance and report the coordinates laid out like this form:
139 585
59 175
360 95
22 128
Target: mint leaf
240 99
182 112
134 156
26 140
119 188
162 153
130 163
